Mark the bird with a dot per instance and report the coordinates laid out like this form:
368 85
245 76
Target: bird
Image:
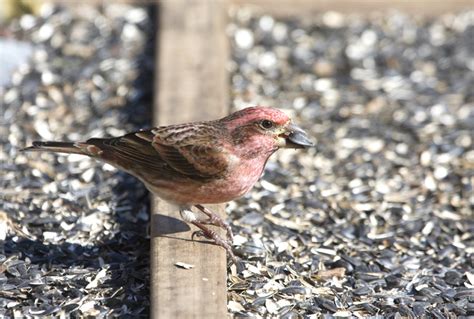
194 164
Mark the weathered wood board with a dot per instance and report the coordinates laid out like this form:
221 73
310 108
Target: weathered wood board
191 85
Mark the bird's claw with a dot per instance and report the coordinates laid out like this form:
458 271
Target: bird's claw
198 233
213 235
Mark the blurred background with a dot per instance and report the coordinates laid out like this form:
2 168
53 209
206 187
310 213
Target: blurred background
376 221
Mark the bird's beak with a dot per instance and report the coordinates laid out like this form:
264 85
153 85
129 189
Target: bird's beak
295 137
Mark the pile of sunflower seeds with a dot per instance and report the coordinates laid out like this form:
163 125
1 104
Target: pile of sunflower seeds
73 232
377 220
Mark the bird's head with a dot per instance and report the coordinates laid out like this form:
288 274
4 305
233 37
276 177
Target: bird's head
265 129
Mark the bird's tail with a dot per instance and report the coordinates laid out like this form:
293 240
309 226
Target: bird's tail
59 147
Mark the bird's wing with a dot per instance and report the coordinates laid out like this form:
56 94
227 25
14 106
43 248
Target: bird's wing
129 152
190 151
194 150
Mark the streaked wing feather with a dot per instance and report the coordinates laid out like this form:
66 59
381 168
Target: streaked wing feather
196 161
131 153
167 151
192 150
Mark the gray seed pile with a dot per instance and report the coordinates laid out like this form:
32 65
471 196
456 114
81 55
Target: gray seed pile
73 231
376 221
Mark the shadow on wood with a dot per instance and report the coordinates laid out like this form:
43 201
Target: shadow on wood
166 225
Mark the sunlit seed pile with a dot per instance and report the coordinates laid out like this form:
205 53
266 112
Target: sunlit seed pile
79 246
377 220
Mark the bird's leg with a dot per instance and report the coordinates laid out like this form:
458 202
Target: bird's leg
189 216
218 240
216 220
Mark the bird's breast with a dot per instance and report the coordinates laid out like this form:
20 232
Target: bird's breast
238 180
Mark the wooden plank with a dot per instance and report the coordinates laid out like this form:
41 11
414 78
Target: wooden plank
191 85
302 8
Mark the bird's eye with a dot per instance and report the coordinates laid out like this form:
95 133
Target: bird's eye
266 124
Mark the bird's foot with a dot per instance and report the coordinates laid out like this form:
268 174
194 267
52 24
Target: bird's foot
197 233
218 240
216 220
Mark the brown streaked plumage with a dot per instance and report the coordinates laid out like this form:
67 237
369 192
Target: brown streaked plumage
196 163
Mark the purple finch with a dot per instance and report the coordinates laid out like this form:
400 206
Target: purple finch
197 163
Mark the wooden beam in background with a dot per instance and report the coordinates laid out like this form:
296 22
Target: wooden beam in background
191 84
305 8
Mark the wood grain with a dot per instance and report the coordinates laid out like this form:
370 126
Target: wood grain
191 85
